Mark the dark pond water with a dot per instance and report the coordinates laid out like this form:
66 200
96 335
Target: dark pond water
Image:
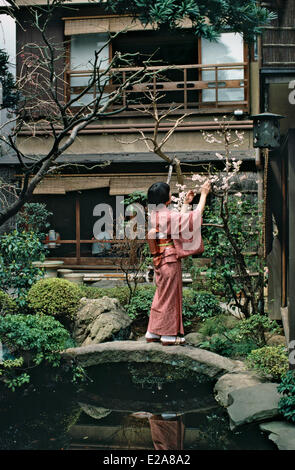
122 407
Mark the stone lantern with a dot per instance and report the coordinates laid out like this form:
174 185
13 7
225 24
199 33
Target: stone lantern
266 131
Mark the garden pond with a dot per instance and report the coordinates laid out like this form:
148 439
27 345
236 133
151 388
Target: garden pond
121 407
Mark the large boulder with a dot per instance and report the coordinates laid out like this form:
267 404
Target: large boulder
100 320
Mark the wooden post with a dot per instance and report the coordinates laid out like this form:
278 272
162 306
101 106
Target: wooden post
216 83
78 235
124 92
284 157
185 88
67 75
291 238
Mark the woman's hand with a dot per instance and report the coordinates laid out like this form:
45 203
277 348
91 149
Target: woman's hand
189 197
206 188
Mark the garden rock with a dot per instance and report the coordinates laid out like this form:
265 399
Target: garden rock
230 382
276 340
194 339
252 404
100 320
281 433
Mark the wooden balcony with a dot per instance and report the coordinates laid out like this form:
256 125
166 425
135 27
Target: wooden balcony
197 88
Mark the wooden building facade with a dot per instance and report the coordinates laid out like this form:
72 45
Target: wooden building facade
277 75
203 79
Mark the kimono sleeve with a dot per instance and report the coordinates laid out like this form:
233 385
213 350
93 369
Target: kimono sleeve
186 233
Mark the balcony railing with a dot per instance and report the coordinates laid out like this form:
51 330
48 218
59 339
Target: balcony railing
199 88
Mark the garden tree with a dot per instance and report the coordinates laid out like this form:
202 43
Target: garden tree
209 17
132 255
155 143
42 104
233 228
133 260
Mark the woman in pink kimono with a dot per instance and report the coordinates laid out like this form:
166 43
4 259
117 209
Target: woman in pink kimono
173 235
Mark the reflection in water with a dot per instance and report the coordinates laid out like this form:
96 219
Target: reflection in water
167 430
106 415
166 434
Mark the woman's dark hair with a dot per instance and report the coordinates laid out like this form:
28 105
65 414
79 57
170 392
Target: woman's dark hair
158 193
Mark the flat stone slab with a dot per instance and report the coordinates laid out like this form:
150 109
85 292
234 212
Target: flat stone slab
234 381
198 360
252 404
281 433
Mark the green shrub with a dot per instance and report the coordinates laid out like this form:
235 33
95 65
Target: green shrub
201 305
120 293
193 304
218 324
18 250
141 302
229 344
34 217
287 401
239 341
7 304
56 297
271 360
39 335
35 333
256 326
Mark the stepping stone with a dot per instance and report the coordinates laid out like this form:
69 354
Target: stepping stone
228 383
252 404
281 433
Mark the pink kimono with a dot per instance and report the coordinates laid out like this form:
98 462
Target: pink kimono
185 231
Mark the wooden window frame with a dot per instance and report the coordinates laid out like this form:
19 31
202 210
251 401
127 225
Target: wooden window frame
202 107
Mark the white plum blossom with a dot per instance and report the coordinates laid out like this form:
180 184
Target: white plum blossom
180 186
222 180
197 177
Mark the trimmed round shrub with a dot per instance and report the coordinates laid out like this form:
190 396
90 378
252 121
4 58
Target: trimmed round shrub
56 297
7 304
270 360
